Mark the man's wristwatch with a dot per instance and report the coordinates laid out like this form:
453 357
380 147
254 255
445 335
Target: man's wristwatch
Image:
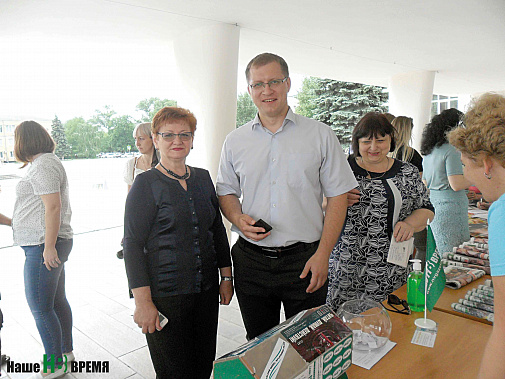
227 278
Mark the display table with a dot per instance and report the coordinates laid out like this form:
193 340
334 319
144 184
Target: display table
457 352
448 297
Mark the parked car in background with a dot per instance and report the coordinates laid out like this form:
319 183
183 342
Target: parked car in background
109 155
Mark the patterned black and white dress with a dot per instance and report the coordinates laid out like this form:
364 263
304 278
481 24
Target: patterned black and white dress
358 264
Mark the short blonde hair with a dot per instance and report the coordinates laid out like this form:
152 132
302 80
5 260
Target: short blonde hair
144 128
484 130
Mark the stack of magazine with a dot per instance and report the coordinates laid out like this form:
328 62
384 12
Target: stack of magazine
478 302
471 254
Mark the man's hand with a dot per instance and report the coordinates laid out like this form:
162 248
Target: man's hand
318 266
353 197
146 317
403 231
245 224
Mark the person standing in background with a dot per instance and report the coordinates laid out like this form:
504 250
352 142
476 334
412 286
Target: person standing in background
443 175
138 165
403 151
145 146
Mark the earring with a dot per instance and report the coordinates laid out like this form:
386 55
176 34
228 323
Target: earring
487 175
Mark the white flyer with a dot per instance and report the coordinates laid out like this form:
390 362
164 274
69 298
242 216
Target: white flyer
424 337
400 252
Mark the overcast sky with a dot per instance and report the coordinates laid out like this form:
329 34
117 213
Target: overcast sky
46 75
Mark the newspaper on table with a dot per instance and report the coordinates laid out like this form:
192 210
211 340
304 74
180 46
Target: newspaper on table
473 311
478 305
472 251
457 277
448 262
465 258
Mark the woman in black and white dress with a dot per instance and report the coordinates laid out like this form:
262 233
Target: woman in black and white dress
393 201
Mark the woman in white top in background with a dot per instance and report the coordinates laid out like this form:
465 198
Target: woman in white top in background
148 159
137 165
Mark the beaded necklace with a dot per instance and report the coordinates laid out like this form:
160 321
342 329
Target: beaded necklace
180 177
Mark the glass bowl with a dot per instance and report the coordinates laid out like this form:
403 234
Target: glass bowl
369 322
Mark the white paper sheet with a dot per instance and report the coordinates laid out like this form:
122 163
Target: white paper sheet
424 337
399 252
367 359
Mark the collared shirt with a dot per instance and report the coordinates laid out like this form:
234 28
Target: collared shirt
282 176
174 240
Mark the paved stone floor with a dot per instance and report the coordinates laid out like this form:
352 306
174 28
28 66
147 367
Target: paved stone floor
102 311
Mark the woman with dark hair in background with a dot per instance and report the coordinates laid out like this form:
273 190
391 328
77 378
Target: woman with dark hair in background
393 202
443 175
41 226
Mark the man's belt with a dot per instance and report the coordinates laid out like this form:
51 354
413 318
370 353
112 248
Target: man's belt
277 252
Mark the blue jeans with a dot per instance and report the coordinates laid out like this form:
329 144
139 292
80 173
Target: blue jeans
45 293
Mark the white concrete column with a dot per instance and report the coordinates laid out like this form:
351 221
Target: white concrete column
410 95
207 60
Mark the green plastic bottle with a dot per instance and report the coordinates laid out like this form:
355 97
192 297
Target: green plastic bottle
415 298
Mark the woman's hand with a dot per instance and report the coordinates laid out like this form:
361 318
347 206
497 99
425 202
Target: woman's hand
225 292
146 317
50 256
403 231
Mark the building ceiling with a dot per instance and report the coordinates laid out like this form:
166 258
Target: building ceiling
365 41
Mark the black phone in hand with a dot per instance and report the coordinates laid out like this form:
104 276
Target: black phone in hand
262 224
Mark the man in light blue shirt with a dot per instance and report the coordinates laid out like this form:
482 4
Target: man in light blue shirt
280 165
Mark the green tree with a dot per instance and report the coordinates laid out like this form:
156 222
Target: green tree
246 110
117 129
84 137
151 106
342 104
120 135
58 133
103 118
306 97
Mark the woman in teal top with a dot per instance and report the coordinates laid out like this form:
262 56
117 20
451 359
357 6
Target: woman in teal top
443 175
483 154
